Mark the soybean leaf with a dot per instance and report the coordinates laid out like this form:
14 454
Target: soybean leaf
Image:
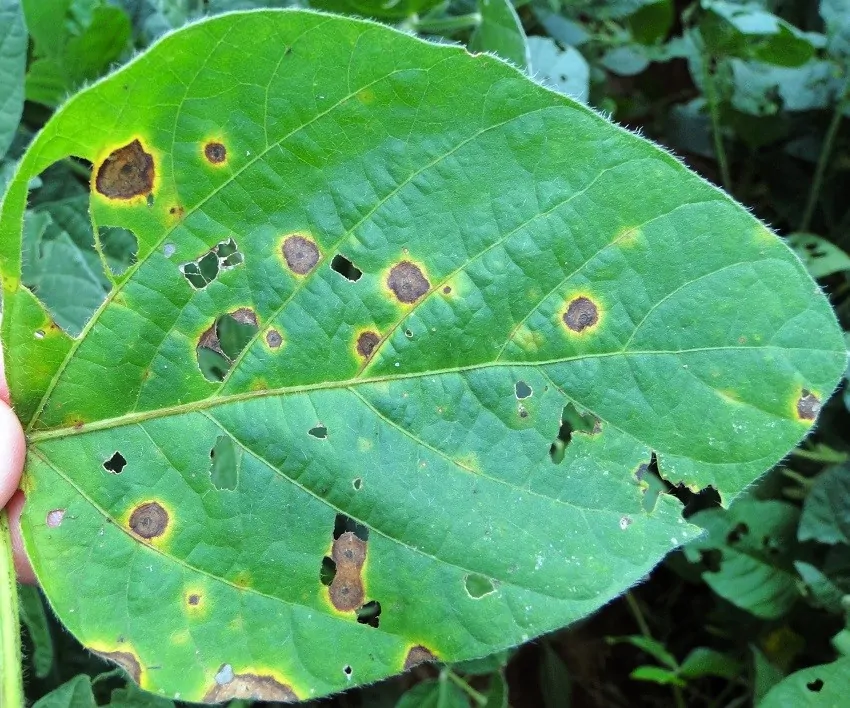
822 591
409 262
500 32
826 516
655 674
821 257
748 552
822 686
497 691
434 694
34 617
651 646
75 693
703 661
13 62
766 675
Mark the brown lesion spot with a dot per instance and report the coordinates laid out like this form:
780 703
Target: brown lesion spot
194 599
215 152
300 253
54 518
407 282
149 520
808 405
349 555
366 343
273 339
260 687
127 661
582 313
418 655
126 173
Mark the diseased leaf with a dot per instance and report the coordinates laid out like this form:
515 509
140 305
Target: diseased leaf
500 32
411 266
13 63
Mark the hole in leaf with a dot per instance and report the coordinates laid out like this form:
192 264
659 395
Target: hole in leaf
344 523
408 334
357 484
208 266
737 533
318 431
370 613
115 464
225 459
222 343
572 421
347 670
327 572
477 586
119 247
815 686
522 390
711 558
346 268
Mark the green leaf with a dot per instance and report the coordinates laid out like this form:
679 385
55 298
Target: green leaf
821 257
436 256
555 683
434 694
822 686
500 32
655 674
703 661
564 70
651 22
822 592
484 665
75 693
748 551
766 675
826 513
836 17
34 617
625 60
651 646
13 63
748 32
497 691
761 89
131 696
379 9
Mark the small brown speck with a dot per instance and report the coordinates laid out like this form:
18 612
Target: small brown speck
215 152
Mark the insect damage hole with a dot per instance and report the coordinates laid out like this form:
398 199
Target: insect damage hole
300 253
225 461
346 268
815 686
222 257
572 421
119 248
522 390
222 343
126 173
319 432
369 614
477 586
116 463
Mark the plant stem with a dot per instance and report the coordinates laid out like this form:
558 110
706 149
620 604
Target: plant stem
446 24
716 128
823 163
479 698
11 678
829 456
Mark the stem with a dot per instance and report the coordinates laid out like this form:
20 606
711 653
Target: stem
823 163
828 456
716 131
479 698
446 24
11 678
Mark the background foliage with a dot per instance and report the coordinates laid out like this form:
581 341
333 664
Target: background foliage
753 95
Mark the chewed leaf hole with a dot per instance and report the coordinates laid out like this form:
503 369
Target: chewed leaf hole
224 341
327 573
737 533
370 613
115 464
477 586
346 268
522 390
343 524
225 460
347 670
572 421
208 266
318 431
815 686
357 483
119 248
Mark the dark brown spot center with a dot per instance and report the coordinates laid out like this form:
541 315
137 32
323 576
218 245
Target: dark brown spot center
581 314
366 343
808 406
194 600
301 254
273 338
215 153
418 655
128 172
149 520
407 282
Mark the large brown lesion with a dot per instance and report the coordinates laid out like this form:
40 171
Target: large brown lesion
349 555
127 661
418 655
259 687
126 173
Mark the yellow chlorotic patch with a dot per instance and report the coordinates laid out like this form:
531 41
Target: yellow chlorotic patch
364 444
180 638
582 314
765 235
530 342
628 236
366 96
469 461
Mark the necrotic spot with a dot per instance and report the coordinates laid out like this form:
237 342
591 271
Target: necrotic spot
366 343
194 599
126 173
215 152
301 254
407 282
54 518
581 314
273 339
149 520
418 655
808 405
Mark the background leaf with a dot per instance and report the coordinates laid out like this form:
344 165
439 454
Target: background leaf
13 61
500 32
